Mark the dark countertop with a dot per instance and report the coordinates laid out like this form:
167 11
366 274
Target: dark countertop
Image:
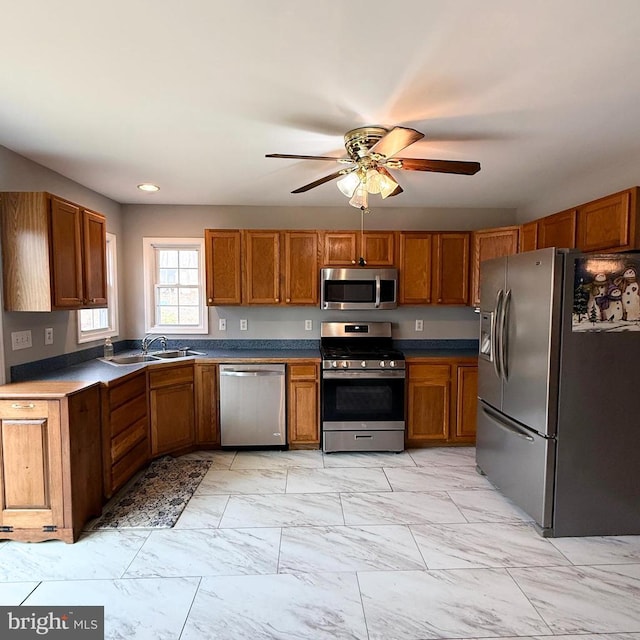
440 353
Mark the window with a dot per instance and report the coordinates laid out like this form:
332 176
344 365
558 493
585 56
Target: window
174 286
94 324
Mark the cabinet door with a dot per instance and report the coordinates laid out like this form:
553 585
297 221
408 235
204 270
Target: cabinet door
223 266
301 273
378 248
558 230
528 237
94 243
606 224
172 418
466 402
66 254
262 267
303 405
31 466
451 270
416 257
488 244
428 403
339 248
206 404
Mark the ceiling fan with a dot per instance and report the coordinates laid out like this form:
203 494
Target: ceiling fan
371 153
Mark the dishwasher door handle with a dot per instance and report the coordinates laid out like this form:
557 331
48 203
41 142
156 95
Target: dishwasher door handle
249 372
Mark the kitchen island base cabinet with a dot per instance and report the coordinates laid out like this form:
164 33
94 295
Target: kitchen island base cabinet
171 408
441 401
303 383
50 441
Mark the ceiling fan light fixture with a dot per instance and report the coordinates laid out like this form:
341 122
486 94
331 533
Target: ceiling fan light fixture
388 186
374 181
360 199
348 184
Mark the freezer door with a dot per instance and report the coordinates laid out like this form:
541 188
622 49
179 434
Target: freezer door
530 339
518 462
492 288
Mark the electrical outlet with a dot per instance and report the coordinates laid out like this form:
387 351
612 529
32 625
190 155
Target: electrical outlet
308 325
222 324
48 335
243 324
419 325
20 340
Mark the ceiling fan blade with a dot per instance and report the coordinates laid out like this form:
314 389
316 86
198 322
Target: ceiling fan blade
317 183
439 166
395 140
287 155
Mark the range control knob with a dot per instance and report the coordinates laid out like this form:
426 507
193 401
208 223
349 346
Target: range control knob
344 364
382 363
334 364
392 363
363 364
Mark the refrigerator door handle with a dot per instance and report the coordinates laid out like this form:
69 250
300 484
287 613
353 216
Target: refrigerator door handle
504 335
495 334
500 422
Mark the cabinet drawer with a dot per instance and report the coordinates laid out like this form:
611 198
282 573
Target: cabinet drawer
26 409
127 414
166 377
121 393
307 371
129 464
429 372
128 438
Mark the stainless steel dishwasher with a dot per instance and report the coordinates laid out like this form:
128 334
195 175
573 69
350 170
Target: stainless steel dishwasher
252 405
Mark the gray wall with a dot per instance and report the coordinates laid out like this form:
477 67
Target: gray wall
19 174
275 322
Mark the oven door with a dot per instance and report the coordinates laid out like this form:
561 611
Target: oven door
363 400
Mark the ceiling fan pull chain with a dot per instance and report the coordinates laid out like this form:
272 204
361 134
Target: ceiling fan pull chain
362 262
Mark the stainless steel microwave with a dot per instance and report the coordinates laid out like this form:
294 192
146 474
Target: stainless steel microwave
359 288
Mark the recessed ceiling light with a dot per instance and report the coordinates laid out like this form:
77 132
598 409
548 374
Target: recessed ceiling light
146 186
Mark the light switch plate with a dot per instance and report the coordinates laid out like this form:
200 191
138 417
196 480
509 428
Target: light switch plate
308 325
419 325
20 340
48 335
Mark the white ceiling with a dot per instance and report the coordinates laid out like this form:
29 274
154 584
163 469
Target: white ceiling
191 95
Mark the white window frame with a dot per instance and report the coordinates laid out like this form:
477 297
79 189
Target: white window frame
112 297
149 246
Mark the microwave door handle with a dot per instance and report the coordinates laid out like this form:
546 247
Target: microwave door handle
377 291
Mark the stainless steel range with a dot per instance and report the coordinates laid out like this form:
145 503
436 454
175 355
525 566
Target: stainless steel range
363 380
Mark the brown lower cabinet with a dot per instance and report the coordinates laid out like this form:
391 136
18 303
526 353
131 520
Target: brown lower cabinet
49 442
441 397
171 408
303 402
206 404
125 430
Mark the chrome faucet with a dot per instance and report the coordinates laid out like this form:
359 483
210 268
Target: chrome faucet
148 340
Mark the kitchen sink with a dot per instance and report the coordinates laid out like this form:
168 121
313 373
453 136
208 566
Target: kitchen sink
131 359
176 353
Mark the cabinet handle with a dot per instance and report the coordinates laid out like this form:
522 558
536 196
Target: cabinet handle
210 299
288 299
277 299
439 299
17 405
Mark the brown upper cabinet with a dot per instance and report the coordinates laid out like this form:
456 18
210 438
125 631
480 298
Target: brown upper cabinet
558 230
223 259
487 244
610 223
528 236
434 268
345 248
261 267
53 253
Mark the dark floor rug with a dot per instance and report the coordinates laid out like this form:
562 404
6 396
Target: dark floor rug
156 498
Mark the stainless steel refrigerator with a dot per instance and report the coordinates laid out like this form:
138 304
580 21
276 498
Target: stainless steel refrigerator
559 388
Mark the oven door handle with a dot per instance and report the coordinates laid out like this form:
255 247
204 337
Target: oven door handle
363 375
377 291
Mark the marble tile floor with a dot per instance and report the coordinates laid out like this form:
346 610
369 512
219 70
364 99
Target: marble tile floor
301 545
